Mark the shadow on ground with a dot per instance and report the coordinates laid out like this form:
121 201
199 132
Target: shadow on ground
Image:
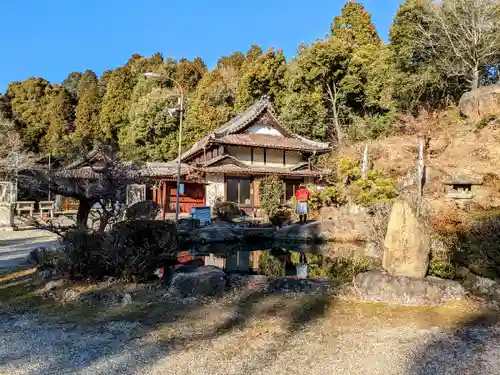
103 341
472 348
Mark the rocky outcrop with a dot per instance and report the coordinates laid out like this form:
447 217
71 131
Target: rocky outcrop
406 245
481 102
381 287
348 223
310 232
192 281
219 231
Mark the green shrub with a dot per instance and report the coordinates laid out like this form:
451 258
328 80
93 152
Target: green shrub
271 195
331 195
270 265
226 211
442 269
281 217
131 250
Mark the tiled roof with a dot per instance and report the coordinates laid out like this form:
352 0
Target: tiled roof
252 170
243 120
169 171
269 141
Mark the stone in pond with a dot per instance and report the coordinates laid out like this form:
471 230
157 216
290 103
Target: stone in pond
192 281
402 290
217 232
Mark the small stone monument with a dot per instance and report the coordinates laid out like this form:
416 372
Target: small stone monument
462 187
6 206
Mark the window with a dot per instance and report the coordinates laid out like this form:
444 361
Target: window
238 190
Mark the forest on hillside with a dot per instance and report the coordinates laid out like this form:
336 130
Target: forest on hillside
347 87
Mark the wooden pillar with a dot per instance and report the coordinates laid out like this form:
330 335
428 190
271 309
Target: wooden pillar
164 200
154 194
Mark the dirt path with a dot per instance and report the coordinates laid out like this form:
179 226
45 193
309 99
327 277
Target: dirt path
255 334
16 246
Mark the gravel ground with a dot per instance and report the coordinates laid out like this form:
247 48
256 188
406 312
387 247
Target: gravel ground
270 336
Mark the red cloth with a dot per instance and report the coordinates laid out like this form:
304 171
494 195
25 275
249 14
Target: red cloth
302 195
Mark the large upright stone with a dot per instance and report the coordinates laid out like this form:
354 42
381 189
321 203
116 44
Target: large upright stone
406 245
481 102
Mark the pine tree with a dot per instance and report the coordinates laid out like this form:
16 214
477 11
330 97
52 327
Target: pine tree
261 75
151 133
28 100
189 73
87 129
116 103
71 83
354 26
58 117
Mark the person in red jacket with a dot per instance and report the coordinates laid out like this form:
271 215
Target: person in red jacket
301 198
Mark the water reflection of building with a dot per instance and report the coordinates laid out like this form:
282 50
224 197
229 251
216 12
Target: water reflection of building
239 261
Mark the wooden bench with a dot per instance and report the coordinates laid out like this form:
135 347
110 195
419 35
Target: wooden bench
26 206
46 207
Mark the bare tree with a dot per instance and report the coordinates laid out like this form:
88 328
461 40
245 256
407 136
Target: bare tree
12 154
89 182
465 37
333 97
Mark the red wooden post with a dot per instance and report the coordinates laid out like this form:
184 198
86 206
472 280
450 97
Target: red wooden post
164 200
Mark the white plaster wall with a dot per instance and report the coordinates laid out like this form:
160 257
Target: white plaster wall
214 188
263 129
258 156
241 153
292 158
274 158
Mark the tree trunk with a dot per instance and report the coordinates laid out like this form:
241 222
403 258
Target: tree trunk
475 81
333 98
82 216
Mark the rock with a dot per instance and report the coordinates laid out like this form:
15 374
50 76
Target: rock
372 250
246 282
146 210
401 290
295 285
216 232
191 281
406 245
52 285
126 299
481 102
481 285
69 295
310 232
348 223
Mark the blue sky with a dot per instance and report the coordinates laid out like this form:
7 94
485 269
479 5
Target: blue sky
51 38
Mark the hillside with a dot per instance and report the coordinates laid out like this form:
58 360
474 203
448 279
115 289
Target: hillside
456 147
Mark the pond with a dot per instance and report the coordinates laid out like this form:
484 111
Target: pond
270 258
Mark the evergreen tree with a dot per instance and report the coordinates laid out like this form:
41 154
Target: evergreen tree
354 26
71 83
116 103
103 82
419 83
189 73
58 117
87 129
28 100
151 133
261 75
